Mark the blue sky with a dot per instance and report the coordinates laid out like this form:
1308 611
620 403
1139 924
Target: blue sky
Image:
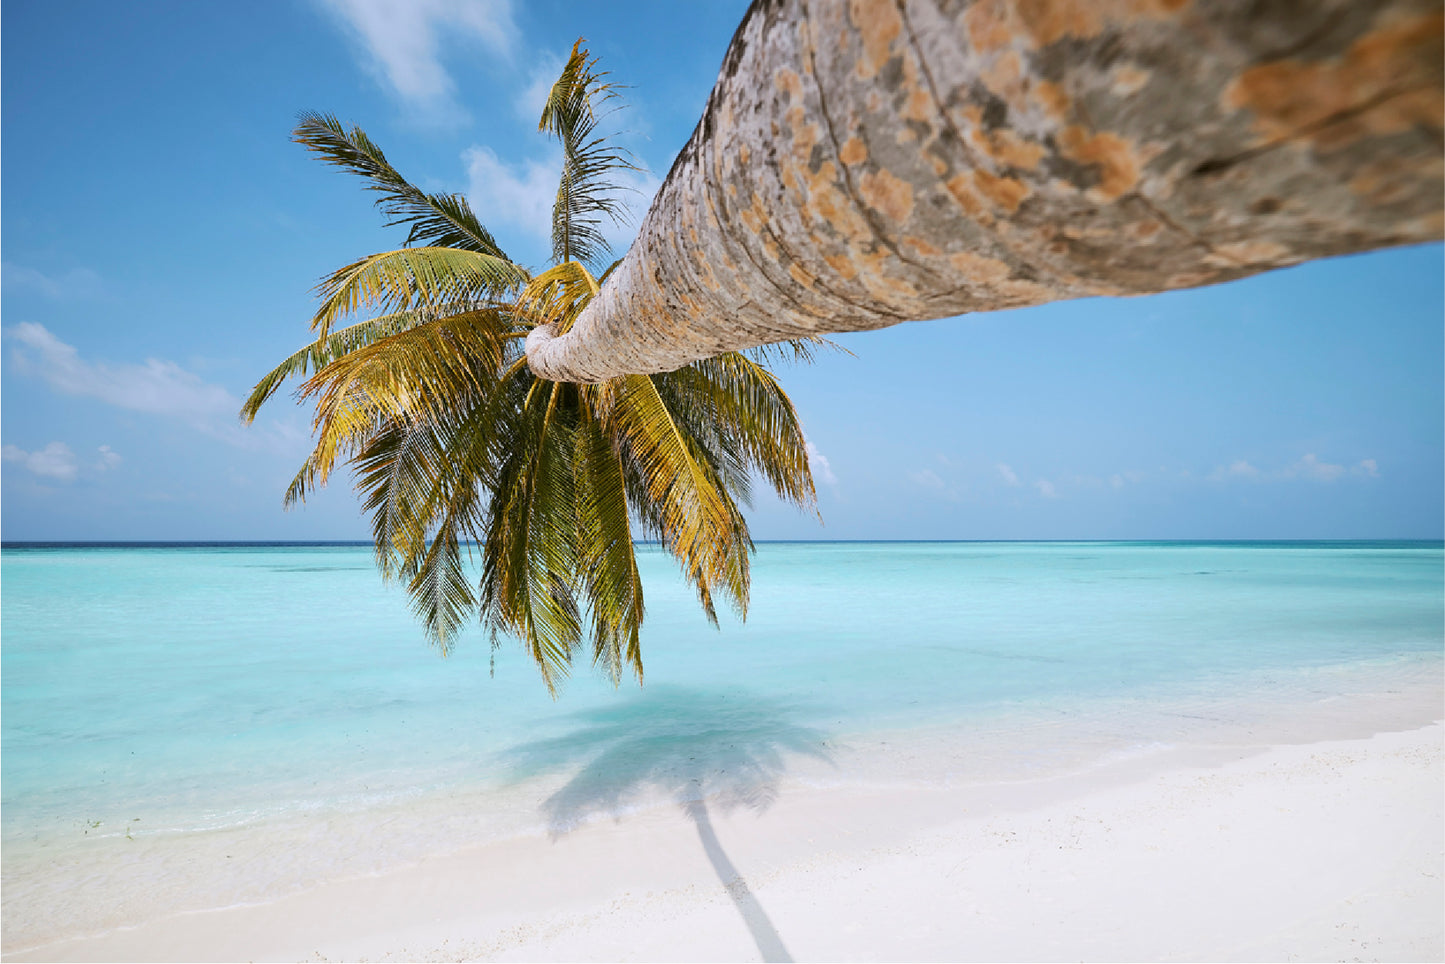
161 236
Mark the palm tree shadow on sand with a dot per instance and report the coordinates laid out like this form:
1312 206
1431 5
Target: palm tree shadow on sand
702 748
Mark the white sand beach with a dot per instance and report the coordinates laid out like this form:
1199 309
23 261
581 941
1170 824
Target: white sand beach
1328 850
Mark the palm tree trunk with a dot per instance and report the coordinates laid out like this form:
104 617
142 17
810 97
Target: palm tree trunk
869 162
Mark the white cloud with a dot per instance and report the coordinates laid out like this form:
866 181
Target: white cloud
156 387
1007 474
1046 489
818 463
109 458
1116 480
1238 469
55 461
402 39
75 283
520 196
1312 468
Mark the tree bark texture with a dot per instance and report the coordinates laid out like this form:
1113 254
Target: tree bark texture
862 163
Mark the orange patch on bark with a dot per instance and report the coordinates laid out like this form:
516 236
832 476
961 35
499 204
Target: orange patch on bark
1390 180
1118 165
960 188
1128 80
1006 192
1009 148
843 265
826 201
790 83
891 195
919 245
1417 108
1052 96
976 267
883 287
1252 252
1004 77
799 275
1051 20
1190 279
853 152
987 24
1289 96
919 106
879 25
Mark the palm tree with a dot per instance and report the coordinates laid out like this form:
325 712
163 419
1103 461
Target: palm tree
866 163
457 447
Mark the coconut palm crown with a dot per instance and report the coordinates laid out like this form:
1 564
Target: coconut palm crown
459 451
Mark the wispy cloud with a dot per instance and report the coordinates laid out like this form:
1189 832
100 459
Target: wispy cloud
401 42
158 387
1310 468
1238 469
520 196
72 284
1046 489
1009 476
55 461
109 459
818 462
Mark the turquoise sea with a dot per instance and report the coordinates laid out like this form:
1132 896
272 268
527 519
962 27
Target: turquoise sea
162 700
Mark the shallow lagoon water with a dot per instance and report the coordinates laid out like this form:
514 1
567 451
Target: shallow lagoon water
156 694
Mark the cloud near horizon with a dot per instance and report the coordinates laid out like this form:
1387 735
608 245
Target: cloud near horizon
1310 467
55 461
402 40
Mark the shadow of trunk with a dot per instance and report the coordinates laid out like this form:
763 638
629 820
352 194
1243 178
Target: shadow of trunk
765 935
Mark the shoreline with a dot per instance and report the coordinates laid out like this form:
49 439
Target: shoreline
918 869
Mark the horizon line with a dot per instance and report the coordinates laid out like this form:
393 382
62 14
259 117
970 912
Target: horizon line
264 543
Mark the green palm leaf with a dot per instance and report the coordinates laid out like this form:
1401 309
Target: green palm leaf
415 277
586 193
442 220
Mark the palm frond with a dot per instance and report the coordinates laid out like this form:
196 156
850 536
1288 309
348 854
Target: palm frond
586 193
802 351
606 554
741 404
424 373
529 559
429 277
318 354
558 295
695 517
442 220
441 591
